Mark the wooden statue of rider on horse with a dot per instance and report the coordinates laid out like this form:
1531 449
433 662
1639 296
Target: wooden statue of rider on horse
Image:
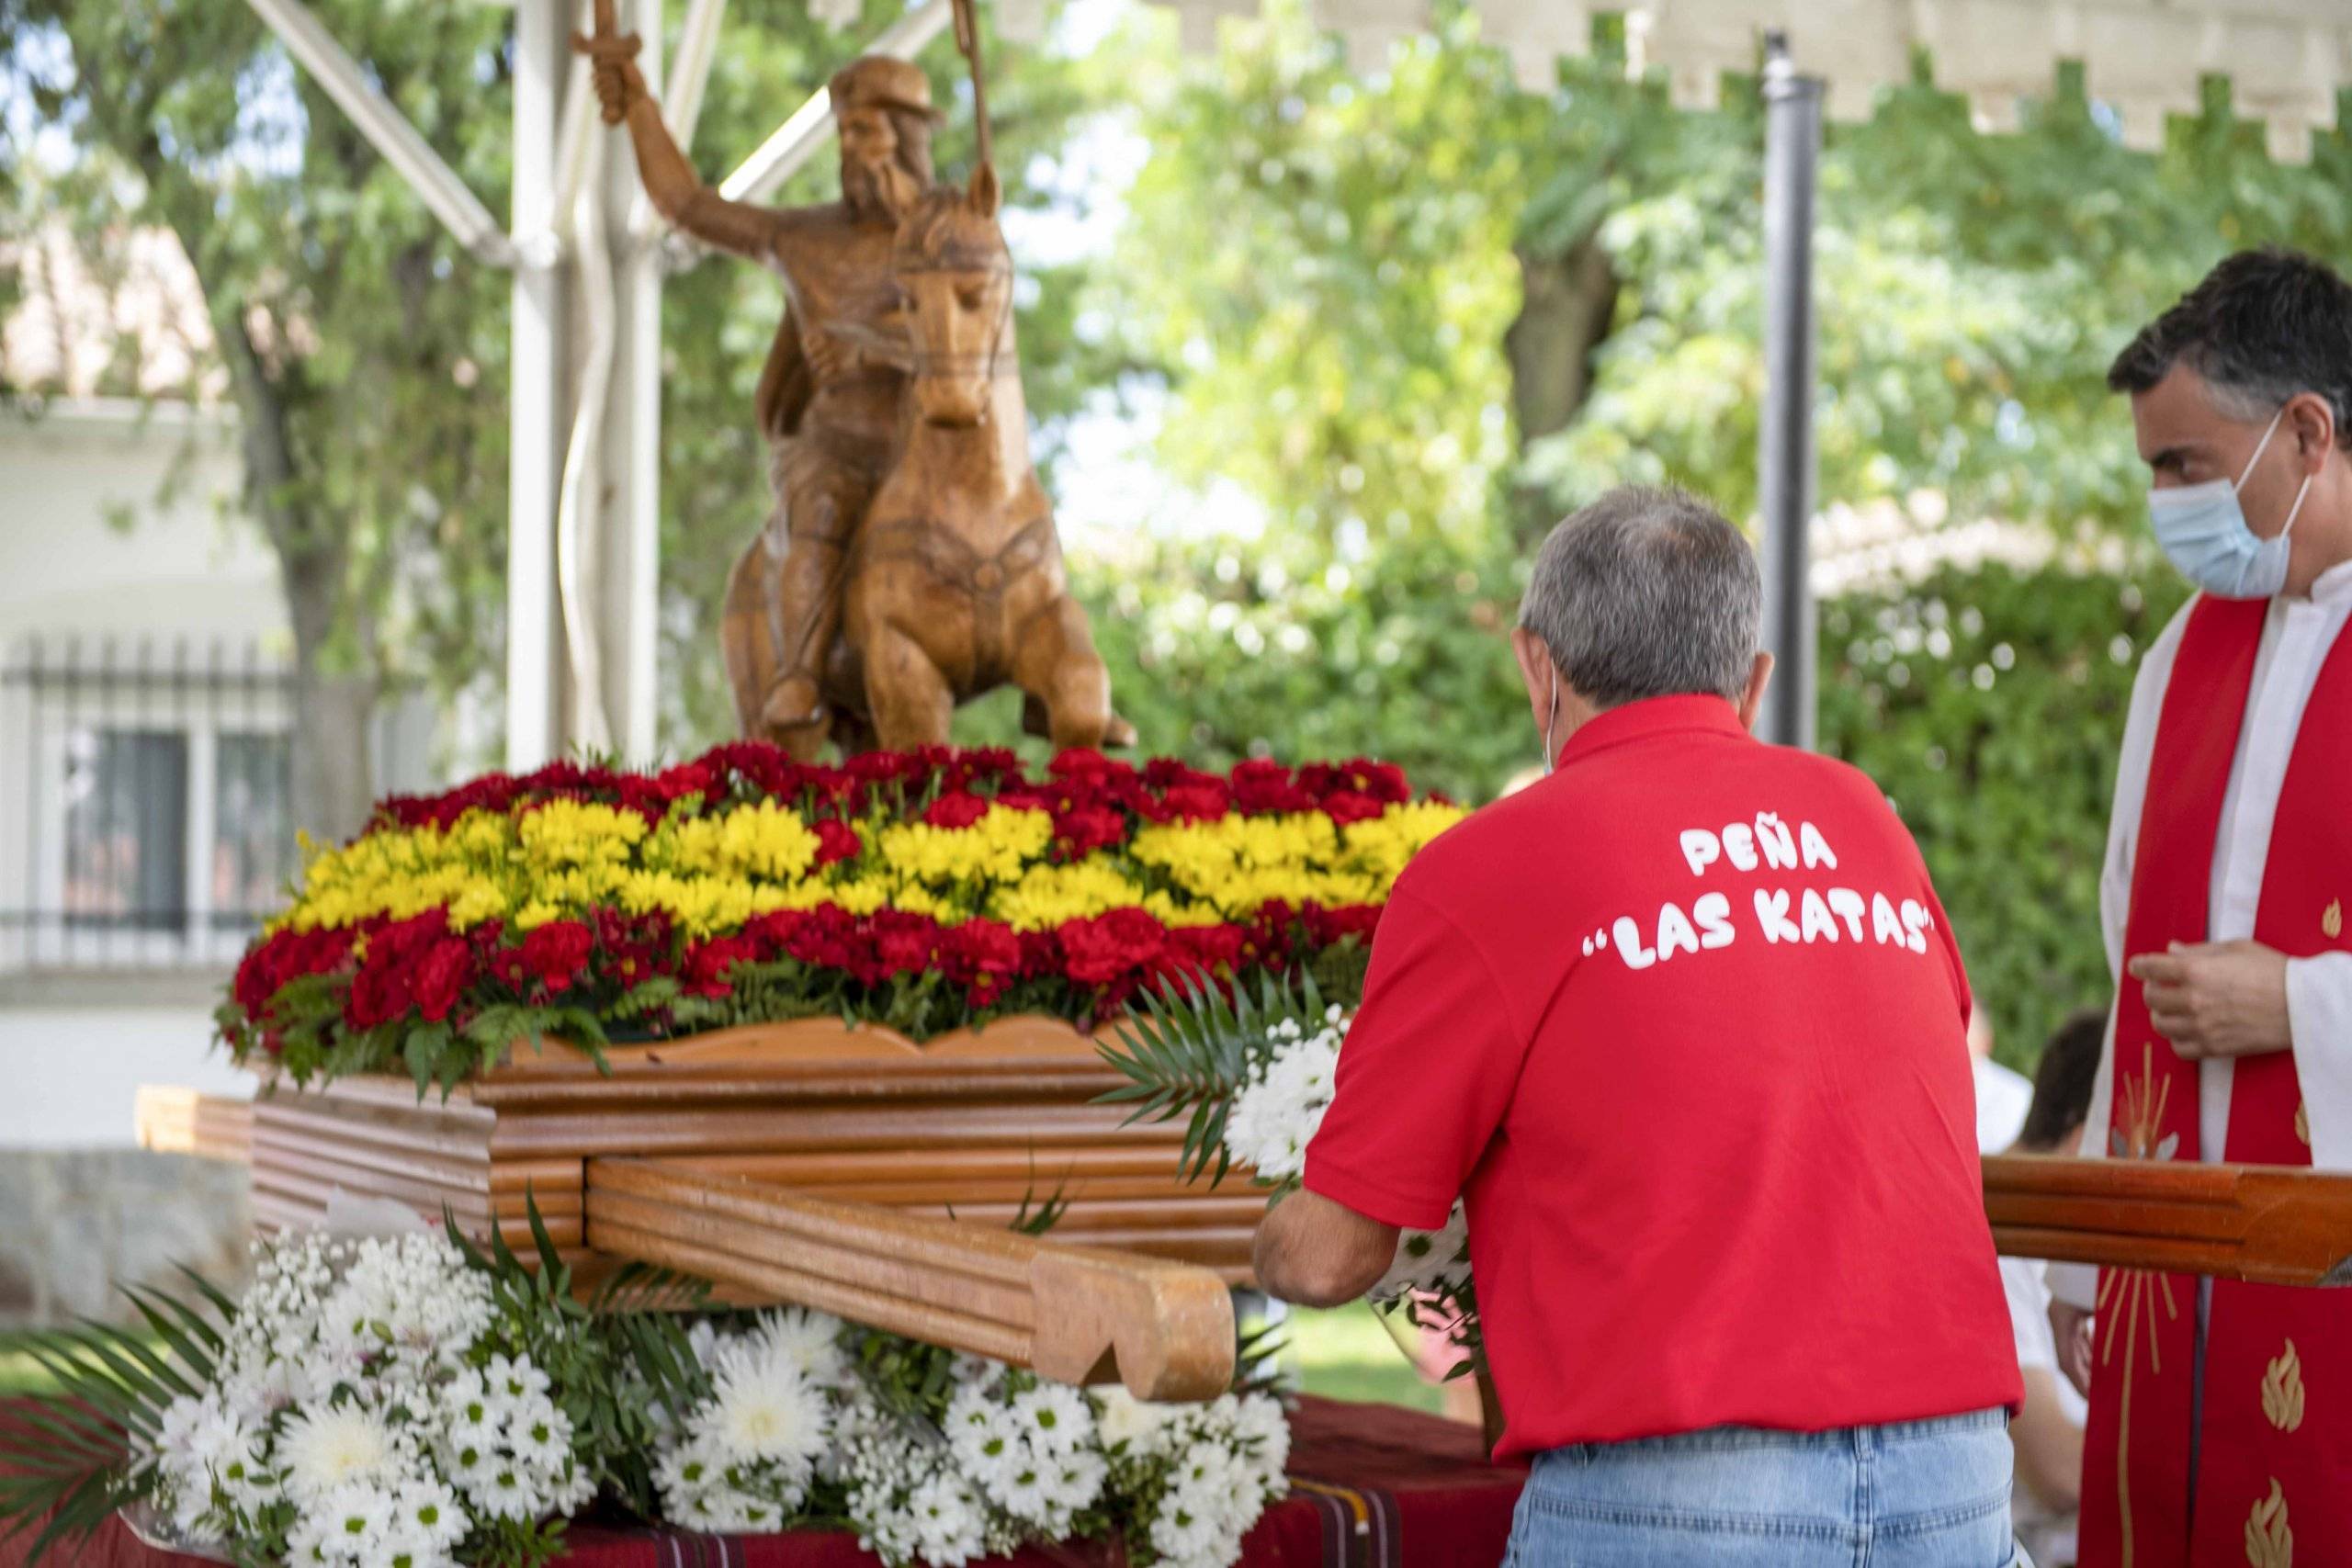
910 562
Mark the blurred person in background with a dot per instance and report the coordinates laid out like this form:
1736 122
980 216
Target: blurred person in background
2002 1093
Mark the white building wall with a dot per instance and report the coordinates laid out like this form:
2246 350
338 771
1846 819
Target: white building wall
69 1073
178 565
116 520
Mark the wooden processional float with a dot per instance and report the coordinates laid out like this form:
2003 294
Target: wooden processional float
842 1168
848 1169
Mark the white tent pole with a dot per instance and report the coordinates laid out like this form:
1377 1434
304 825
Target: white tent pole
534 446
628 540
450 199
1784 480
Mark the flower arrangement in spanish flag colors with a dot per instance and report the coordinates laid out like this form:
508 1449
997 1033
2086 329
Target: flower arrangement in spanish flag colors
924 891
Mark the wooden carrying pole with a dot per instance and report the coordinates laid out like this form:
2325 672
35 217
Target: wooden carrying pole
2268 1225
1073 1314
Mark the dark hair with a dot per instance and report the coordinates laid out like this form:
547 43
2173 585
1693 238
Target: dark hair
2061 1083
1646 594
2263 327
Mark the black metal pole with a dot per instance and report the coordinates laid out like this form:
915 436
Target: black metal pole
1786 457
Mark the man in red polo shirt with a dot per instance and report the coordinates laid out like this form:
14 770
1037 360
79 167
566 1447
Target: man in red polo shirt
1684 1026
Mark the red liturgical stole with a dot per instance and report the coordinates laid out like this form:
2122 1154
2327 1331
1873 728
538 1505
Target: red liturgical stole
2273 1470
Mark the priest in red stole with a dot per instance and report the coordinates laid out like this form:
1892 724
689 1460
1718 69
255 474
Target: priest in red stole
2220 1426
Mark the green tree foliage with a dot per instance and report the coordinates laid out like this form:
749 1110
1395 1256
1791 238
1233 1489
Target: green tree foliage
1223 652
1989 701
362 347
1973 290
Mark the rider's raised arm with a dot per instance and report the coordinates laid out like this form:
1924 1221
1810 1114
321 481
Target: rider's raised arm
678 194
676 191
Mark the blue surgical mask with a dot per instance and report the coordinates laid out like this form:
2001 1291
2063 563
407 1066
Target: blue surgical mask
2204 529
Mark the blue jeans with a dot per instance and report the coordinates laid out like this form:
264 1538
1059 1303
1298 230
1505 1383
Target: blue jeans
1915 1495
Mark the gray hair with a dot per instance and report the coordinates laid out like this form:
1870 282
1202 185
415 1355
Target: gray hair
1646 594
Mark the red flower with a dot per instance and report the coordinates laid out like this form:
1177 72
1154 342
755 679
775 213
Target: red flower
384 987
824 936
956 809
269 965
1088 827
441 976
1348 806
1215 949
379 994
1327 927
1261 787
903 943
1205 801
836 841
1110 947
686 779
557 952
980 954
708 963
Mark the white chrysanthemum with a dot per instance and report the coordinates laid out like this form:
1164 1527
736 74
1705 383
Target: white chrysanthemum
946 1522
353 1523
809 1342
1053 1417
329 1446
984 1434
1259 1423
1128 1424
509 1384
1276 1113
428 1518
763 1409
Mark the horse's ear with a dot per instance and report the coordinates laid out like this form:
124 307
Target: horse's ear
986 195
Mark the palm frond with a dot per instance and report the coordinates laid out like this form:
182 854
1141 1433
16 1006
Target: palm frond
1187 1050
1045 1216
642 1287
67 1454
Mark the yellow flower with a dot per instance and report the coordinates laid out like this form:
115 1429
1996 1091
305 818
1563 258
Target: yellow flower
862 897
765 839
1382 845
993 849
572 832
1048 896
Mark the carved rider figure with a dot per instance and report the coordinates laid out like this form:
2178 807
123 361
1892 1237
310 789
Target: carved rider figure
828 401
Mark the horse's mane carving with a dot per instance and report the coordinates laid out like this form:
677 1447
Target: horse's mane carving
949 228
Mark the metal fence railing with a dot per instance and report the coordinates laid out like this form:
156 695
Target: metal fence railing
145 810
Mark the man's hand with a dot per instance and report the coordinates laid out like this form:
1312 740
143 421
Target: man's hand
2070 1327
2217 998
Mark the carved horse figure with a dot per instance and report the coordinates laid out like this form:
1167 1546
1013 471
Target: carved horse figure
955 583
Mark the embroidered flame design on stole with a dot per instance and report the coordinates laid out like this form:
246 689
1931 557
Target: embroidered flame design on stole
2282 1390
2269 1542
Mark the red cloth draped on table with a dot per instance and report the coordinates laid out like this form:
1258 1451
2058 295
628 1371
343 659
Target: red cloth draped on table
1374 1486
2265 1480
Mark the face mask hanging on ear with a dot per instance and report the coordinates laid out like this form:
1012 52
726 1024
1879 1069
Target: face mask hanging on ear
1551 713
2202 528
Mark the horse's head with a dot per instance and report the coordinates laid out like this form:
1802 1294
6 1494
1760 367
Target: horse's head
956 277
